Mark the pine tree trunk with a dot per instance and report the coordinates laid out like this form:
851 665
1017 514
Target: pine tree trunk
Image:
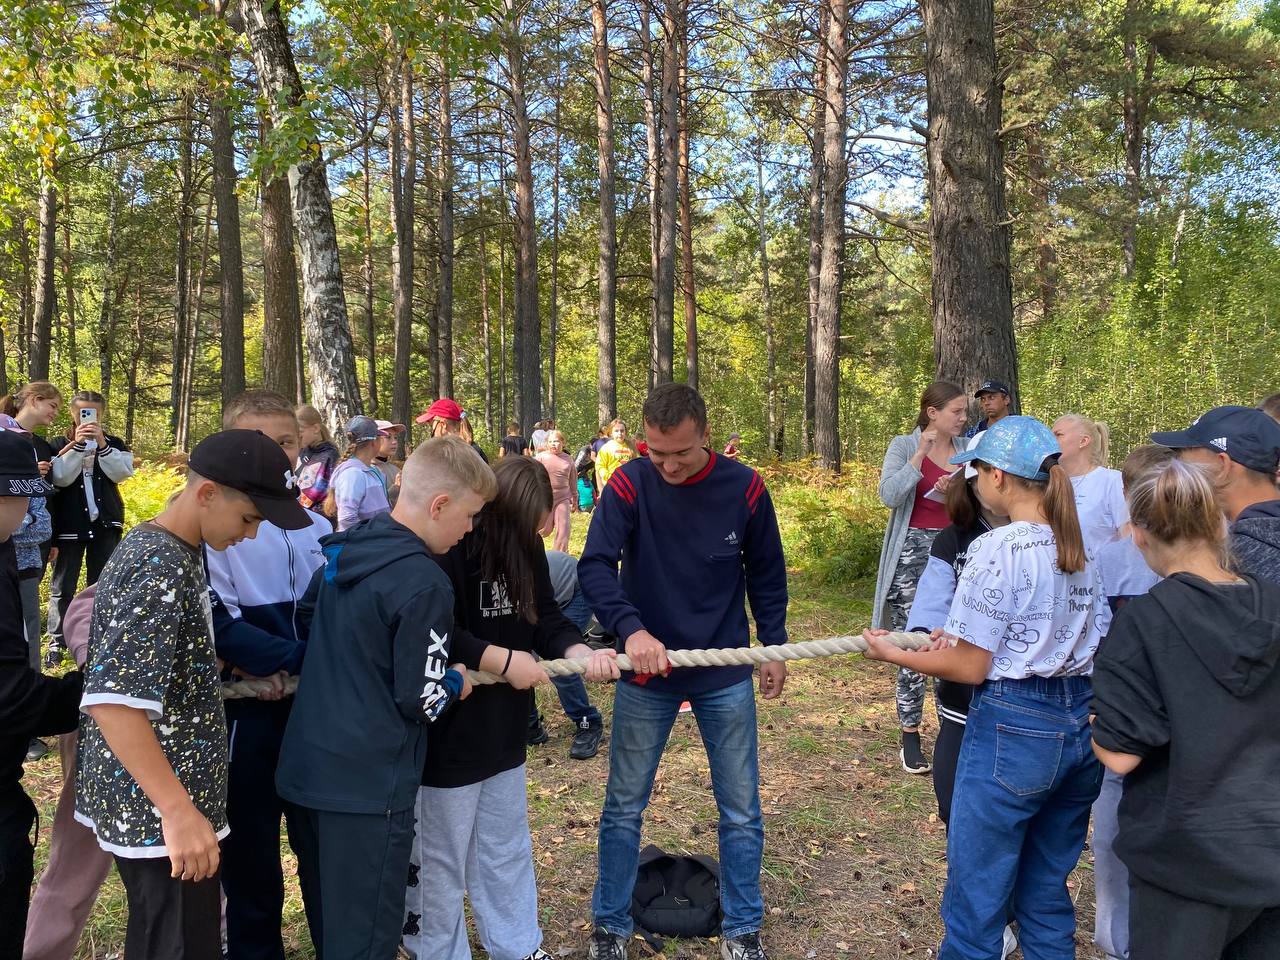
553 318
105 340
182 270
26 306
816 152
330 352
606 324
968 224
1046 255
230 258
484 287
46 294
766 311
686 210
69 281
131 383
528 333
664 333
370 334
653 169
402 138
186 388
826 380
282 314
444 281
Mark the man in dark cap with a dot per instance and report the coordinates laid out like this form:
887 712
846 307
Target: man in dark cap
1240 447
995 403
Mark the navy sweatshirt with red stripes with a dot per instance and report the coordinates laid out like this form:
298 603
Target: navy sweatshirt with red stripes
691 554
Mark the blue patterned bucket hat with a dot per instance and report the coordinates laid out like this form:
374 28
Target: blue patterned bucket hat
1017 445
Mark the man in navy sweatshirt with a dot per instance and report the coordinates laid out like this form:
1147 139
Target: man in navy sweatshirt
696 535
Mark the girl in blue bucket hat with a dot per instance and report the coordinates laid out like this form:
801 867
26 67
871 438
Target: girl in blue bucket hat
1025 623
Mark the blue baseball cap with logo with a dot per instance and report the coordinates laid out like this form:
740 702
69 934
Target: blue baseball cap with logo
1017 445
1245 434
991 386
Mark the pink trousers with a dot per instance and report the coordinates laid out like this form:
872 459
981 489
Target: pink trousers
561 514
69 885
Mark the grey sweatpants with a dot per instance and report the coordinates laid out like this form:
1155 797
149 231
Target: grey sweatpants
473 840
1110 876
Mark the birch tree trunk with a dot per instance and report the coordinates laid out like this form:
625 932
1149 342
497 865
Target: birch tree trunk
403 150
181 278
330 352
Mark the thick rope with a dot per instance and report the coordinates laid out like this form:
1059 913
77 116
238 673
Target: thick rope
736 656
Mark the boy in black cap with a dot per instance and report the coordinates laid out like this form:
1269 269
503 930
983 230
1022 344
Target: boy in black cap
30 704
152 768
1240 446
993 398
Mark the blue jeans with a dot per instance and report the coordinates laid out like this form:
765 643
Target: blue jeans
642 722
572 691
1026 780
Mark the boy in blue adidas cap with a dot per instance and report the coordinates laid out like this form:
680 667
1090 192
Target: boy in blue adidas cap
1026 620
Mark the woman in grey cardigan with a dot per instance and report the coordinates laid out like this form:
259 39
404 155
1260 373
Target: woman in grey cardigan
915 463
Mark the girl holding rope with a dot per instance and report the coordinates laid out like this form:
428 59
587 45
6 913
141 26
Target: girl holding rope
471 815
1025 622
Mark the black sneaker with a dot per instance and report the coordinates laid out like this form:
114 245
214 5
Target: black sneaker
36 749
745 947
606 946
911 755
539 954
586 739
54 656
537 732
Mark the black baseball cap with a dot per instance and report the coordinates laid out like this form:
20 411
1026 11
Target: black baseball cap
991 386
1245 434
19 475
252 463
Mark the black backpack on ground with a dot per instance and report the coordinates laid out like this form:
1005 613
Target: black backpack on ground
676 895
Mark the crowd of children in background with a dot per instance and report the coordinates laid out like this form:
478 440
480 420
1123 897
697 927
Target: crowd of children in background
1104 641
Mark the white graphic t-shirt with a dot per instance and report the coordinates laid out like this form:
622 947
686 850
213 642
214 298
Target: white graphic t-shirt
1101 507
1014 602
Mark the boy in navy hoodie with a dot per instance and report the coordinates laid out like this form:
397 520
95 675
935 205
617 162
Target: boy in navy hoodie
30 704
696 535
256 588
376 673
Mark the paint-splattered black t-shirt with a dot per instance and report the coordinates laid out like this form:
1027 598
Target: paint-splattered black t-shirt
151 647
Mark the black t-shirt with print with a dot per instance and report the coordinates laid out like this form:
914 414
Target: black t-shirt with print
151 647
512 446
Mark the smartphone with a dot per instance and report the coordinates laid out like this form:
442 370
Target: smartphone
88 414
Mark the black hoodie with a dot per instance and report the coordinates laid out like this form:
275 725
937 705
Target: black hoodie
380 613
1187 680
487 733
1255 540
30 704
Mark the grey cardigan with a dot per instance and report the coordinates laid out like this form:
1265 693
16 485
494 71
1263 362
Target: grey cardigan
898 479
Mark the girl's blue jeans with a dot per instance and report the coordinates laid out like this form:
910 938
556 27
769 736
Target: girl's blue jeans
1025 783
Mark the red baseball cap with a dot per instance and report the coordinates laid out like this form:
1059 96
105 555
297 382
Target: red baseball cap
444 407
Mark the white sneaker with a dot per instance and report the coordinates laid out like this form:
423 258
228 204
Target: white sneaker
1010 943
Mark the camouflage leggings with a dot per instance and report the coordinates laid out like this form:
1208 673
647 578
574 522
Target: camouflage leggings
902 593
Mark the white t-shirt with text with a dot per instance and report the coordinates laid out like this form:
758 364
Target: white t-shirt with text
1101 507
1014 602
